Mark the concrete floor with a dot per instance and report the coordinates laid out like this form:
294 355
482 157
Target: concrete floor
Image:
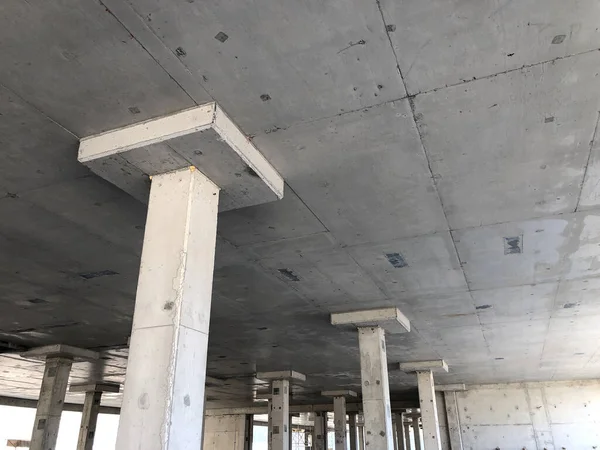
456 139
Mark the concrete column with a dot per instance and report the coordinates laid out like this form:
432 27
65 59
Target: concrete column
375 389
395 433
279 407
407 441
248 432
427 399
361 437
452 417
320 431
401 442
269 424
91 408
352 431
307 442
52 396
374 370
339 415
163 408
163 402
416 433
291 433
429 415
58 360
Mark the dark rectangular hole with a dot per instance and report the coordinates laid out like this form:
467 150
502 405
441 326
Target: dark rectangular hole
289 274
396 260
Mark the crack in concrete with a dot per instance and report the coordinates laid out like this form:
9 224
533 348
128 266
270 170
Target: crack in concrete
587 163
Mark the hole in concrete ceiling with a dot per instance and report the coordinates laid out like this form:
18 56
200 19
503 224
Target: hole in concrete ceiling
101 273
262 328
396 260
483 307
498 359
221 37
289 274
513 245
559 38
569 305
37 301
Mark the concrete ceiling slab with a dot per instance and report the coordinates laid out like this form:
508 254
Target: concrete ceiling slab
36 152
355 161
421 266
271 66
441 43
80 50
515 146
515 303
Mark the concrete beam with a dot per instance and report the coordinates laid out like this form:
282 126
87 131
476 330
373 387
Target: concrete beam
341 393
450 387
95 387
59 350
262 409
438 365
203 136
390 319
281 375
30 403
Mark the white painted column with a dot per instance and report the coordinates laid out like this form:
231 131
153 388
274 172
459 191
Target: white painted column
352 431
375 389
50 404
320 431
453 420
280 415
401 442
163 399
429 416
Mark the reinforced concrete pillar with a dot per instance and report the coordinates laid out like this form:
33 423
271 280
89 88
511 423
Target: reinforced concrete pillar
279 407
91 407
372 326
163 399
401 442
452 416
339 415
427 399
248 432
58 361
416 433
361 437
352 431
407 441
320 431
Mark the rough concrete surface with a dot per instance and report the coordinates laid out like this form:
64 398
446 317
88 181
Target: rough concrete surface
471 205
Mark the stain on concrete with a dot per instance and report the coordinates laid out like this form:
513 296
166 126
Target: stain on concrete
289 274
186 400
549 119
179 51
569 305
134 110
168 306
265 97
483 307
143 402
390 28
559 39
513 245
101 273
353 44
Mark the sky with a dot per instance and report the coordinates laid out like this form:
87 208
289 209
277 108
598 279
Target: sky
17 423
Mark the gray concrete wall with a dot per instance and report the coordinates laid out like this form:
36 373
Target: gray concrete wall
551 416
224 432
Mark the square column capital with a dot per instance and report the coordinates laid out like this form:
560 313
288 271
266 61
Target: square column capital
341 393
203 137
438 365
281 375
59 350
390 319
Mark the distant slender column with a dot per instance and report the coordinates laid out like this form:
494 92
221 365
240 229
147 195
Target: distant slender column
248 431
58 361
417 433
91 408
50 404
361 437
400 432
453 420
320 431
352 431
407 440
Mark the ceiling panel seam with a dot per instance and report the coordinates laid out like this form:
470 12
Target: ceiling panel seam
587 164
131 21
35 108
